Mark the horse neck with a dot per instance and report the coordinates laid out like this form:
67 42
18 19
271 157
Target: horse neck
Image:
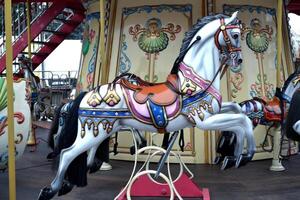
28 76
204 60
291 89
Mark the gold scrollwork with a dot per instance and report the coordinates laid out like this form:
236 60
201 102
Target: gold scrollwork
296 81
95 122
94 100
197 110
111 98
188 86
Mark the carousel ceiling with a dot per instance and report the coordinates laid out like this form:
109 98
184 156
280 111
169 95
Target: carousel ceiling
294 6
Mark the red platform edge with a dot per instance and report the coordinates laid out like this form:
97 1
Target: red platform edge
187 188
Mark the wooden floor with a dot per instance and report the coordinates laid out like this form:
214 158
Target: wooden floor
252 182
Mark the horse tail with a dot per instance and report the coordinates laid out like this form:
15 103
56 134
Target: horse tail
292 117
54 127
67 139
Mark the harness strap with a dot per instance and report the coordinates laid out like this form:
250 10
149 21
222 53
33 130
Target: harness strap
223 28
116 144
181 140
165 142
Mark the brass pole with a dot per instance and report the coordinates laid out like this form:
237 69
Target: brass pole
279 41
103 67
28 17
10 108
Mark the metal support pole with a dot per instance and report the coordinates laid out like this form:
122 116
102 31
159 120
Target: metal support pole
28 20
103 67
279 41
276 162
10 102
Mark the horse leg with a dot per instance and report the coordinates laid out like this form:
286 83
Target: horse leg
67 156
93 162
231 107
240 124
67 186
227 141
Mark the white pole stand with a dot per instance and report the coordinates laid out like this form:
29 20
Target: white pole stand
276 162
143 185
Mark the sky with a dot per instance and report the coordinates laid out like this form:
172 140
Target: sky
66 57
294 22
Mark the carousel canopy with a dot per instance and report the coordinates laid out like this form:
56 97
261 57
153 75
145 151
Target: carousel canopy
294 6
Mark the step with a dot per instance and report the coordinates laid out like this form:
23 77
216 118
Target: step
55 32
35 53
65 21
45 43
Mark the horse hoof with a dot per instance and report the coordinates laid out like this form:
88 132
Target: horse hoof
51 156
46 194
218 160
95 166
243 160
228 162
66 188
132 150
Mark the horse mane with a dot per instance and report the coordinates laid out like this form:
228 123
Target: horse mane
189 35
292 117
54 126
67 138
290 78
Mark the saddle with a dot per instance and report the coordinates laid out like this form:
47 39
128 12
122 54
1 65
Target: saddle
153 103
159 93
272 110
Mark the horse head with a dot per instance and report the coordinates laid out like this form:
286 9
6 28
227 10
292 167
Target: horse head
212 42
291 85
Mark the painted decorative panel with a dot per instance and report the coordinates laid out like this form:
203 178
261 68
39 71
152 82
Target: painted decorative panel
90 59
22 120
256 76
149 35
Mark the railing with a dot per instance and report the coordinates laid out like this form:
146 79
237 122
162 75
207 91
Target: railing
57 79
53 27
19 25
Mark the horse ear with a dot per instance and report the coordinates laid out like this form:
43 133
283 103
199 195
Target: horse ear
233 17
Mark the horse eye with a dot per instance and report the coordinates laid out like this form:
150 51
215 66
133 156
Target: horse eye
235 36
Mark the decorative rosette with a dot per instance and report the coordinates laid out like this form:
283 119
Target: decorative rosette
257 42
154 43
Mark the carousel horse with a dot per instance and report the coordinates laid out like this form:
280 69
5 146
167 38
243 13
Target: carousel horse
189 98
281 107
292 123
21 119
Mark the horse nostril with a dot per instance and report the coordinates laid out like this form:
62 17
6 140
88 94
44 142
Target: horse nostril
240 61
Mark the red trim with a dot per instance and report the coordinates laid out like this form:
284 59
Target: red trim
55 40
41 23
294 6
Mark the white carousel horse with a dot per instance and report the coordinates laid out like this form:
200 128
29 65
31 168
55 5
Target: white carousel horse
21 120
267 113
190 97
292 122
296 127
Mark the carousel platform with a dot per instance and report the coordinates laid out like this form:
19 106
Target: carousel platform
251 182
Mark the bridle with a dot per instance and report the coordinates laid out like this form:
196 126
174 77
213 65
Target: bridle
229 48
223 29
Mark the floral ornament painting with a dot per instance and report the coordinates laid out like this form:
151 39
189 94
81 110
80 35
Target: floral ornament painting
258 39
153 38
